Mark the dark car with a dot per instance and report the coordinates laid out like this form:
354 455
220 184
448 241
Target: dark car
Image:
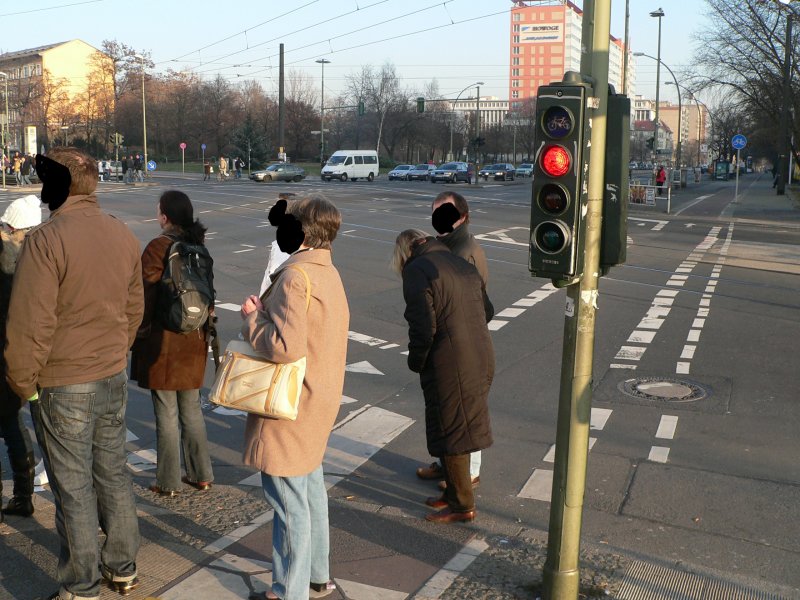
452 172
499 171
421 172
279 172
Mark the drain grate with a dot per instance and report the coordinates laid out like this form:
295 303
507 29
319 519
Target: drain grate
647 581
663 389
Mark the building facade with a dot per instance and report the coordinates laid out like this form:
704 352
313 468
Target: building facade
691 125
545 42
54 92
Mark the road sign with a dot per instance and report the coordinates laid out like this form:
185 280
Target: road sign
739 141
203 146
182 145
151 165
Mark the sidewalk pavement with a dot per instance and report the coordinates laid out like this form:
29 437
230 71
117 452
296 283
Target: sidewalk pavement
759 202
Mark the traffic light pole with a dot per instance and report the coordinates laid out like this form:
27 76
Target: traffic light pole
561 569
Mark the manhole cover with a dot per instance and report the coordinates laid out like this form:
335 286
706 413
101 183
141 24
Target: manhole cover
662 389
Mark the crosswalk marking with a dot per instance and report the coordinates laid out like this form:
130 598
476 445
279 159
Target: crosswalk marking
658 454
363 367
539 486
666 427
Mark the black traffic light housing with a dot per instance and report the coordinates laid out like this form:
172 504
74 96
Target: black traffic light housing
614 232
361 108
650 142
560 182
420 104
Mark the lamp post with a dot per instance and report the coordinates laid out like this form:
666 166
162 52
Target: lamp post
657 14
453 112
625 54
144 113
5 130
65 129
691 96
783 163
680 119
323 62
477 126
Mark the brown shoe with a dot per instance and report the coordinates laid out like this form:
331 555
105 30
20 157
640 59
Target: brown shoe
198 485
448 516
165 493
436 502
476 481
432 471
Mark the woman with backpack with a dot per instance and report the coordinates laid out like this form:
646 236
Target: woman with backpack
169 356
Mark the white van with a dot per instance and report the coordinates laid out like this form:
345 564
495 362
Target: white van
351 164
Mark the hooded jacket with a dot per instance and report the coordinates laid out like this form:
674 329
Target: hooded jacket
76 301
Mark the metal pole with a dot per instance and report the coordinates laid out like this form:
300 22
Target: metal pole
625 54
5 132
281 116
144 118
658 84
323 62
453 112
787 82
561 570
477 124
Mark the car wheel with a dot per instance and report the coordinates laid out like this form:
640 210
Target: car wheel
370 177
343 177
297 178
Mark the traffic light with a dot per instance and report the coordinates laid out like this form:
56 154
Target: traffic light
120 139
420 104
361 108
112 138
614 232
560 183
650 142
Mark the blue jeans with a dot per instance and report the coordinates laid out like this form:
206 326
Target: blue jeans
300 536
180 423
81 432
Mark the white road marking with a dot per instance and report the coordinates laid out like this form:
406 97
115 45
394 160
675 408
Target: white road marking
362 367
693 336
228 306
622 366
494 324
641 337
444 578
666 427
511 312
688 352
365 339
245 250
390 346
539 486
142 460
130 436
599 418
361 591
658 454
682 368
630 353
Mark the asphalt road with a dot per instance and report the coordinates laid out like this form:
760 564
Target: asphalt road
704 299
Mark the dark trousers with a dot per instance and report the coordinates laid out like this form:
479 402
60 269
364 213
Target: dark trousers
459 494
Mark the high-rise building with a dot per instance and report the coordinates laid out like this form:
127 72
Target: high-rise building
545 41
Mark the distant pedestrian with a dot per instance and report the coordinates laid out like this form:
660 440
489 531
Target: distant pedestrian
449 346
171 364
129 172
661 178
223 168
288 322
20 216
75 307
18 168
775 172
238 163
137 168
25 169
207 170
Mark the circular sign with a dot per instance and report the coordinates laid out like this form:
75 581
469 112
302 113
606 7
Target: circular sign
182 145
557 122
739 141
203 146
151 165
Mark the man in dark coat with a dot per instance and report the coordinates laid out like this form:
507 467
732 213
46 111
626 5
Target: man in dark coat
451 220
449 346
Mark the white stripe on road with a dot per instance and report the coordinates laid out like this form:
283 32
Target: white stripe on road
666 427
539 486
658 454
494 324
228 306
444 578
599 418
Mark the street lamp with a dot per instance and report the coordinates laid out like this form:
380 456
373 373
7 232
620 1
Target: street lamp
5 130
144 113
453 112
657 14
692 96
65 129
323 62
783 163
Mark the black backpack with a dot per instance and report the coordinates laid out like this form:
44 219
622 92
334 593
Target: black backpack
187 287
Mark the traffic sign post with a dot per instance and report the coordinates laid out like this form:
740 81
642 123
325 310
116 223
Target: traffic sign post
738 141
151 165
203 148
183 156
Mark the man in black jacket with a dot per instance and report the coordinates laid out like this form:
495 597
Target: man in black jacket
450 217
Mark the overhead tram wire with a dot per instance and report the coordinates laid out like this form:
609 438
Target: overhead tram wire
33 10
244 31
281 37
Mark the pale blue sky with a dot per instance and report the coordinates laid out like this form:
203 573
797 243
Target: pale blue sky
466 40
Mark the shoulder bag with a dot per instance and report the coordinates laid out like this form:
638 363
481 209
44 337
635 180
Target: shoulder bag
249 382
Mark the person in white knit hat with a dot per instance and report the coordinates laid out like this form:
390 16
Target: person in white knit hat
20 216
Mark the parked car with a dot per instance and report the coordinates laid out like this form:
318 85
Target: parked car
400 172
525 170
499 171
421 172
452 172
279 172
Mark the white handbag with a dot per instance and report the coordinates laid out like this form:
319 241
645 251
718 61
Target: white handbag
249 382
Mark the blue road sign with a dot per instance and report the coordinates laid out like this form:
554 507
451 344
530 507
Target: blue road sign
151 165
739 141
203 146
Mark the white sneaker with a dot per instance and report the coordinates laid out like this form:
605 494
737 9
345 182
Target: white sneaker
40 475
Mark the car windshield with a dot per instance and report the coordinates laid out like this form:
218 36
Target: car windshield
336 160
497 167
421 168
526 166
402 167
274 167
450 166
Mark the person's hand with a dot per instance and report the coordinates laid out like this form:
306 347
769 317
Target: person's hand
251 304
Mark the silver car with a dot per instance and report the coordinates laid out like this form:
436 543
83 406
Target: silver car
421 172
400 172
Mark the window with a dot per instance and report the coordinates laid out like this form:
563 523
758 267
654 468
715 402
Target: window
25 71
514 40
516 28
515 60
516 16
370 160
515 72
515 83
515 93
359 160
349 161
515 50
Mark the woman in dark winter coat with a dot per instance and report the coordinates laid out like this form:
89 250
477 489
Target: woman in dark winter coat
449 346
19 217
172 365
